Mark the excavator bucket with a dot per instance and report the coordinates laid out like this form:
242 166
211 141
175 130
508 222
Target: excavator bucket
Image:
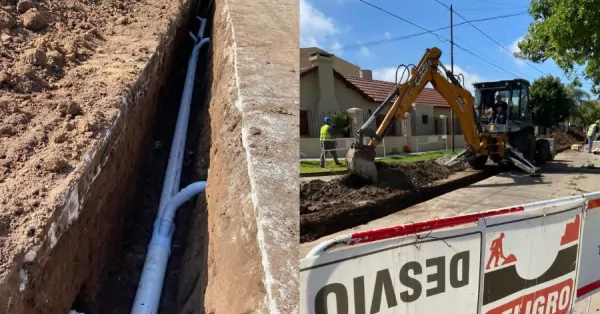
361 162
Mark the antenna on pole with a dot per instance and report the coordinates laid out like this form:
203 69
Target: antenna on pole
451 70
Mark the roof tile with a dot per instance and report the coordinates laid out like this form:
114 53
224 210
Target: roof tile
379 90
307 69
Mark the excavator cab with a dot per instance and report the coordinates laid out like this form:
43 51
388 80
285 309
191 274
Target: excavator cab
515 94
517 127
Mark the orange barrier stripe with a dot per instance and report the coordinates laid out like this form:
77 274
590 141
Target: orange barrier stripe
594 203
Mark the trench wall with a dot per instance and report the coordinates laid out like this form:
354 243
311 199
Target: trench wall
241 255
81 235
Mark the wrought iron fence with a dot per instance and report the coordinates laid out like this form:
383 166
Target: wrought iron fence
311 122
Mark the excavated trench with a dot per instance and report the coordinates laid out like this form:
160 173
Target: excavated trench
120 276
344 203
93 257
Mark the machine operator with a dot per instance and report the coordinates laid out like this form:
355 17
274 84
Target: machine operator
497 112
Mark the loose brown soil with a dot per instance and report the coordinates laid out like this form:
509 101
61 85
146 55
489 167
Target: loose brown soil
68 69
564 140
342 203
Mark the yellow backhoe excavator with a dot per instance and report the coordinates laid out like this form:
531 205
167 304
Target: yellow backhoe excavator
508 141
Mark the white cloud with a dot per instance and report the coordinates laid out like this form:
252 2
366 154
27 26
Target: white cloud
314 25
389 75
514 48
387 35
365 52
335 47
470 78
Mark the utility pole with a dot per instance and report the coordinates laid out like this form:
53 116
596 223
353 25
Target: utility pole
451 70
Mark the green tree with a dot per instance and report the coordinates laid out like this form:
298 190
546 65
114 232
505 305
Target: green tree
341 123
549 101
566 32
575 93
586 112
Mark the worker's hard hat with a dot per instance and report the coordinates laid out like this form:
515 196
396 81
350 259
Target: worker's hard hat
497 94
327 120
597 121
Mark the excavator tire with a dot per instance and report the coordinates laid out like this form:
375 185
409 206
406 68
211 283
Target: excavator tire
524 141
546 149
542 152
478 163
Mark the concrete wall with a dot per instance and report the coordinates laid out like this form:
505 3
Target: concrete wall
250 228
418 127
309 92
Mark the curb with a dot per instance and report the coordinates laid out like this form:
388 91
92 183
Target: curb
323 174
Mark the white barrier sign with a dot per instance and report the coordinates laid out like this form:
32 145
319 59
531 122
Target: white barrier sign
588 281
530 260
396 276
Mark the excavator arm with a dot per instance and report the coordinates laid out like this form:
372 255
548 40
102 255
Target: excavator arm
457 97
361 158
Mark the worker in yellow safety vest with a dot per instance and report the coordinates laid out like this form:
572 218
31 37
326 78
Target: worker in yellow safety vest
592 133
327 140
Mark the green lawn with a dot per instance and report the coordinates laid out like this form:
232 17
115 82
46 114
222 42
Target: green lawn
312 166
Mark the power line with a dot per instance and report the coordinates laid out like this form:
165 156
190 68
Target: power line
497 43
482 9
440 39
401 18
484 59
502 3
389 40
490 38
471 49
362 29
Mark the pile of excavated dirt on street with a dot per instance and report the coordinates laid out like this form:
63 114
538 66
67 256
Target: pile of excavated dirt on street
394 179
564 140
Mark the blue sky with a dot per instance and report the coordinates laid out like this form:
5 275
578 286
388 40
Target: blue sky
365 36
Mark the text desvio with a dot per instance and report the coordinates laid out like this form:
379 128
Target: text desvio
412 275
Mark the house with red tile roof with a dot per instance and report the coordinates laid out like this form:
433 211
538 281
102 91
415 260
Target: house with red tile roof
324 91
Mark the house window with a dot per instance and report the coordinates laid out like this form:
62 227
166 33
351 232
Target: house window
424 119
392 129
304 123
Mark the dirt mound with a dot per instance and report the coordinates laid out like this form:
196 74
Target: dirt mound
329 207
68 69
399 178
564 140
579 136
41 40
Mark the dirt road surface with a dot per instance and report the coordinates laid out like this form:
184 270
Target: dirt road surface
565 176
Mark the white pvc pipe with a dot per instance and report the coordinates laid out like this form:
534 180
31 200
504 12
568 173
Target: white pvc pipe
173 172
150 287
147 298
